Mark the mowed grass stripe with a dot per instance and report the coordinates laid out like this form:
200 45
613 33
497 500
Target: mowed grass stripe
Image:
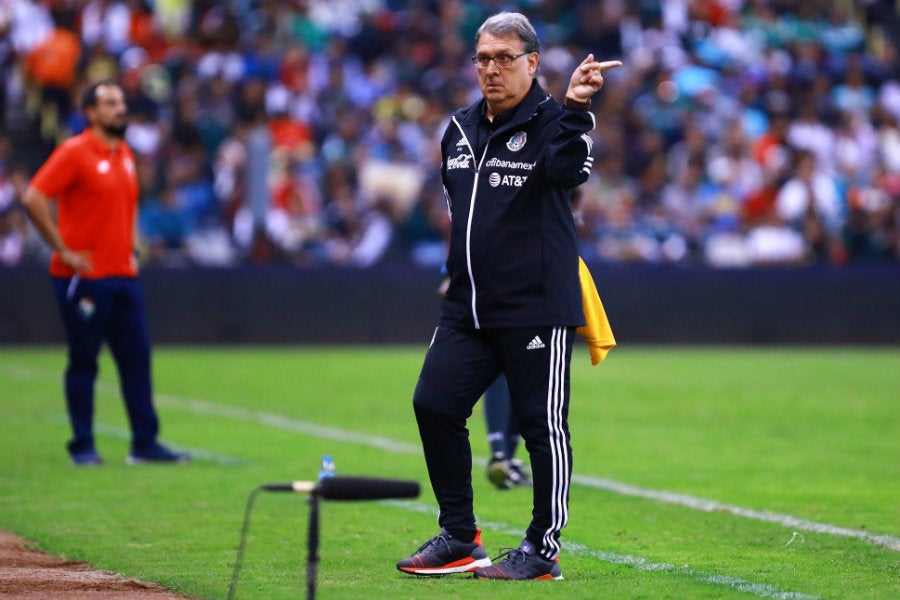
887 541
809 440
123 434
207 408
762 590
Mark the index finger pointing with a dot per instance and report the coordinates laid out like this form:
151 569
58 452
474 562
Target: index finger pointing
609 64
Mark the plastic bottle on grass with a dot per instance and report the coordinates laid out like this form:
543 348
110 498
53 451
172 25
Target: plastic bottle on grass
327 467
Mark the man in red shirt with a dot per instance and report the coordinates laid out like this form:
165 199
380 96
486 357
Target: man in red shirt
92 178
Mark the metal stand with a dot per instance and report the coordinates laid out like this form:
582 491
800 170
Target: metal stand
312 546
332 488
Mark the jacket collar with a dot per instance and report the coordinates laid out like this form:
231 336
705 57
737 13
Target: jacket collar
520 113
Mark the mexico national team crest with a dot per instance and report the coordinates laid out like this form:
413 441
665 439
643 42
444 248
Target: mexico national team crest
517 141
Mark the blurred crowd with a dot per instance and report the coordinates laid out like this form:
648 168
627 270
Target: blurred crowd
737 133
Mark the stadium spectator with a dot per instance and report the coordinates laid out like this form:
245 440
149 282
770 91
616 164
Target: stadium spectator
13 227
50 66
809 202
381 80
92 180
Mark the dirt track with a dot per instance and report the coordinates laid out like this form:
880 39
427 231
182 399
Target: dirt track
26 573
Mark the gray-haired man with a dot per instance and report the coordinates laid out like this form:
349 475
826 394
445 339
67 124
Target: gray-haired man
510 163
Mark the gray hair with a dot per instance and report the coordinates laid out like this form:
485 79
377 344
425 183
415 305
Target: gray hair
506 23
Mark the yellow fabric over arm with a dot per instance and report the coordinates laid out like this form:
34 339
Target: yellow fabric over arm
596 330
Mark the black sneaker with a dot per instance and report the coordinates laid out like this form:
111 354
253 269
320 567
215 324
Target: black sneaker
521 563
157 453
444 554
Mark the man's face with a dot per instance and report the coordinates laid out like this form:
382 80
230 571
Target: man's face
110 112
505 88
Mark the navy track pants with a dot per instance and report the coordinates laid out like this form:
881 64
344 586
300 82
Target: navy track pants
112 310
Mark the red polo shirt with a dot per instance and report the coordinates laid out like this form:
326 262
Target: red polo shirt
96 195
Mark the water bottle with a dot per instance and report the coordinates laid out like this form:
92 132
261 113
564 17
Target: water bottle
327 468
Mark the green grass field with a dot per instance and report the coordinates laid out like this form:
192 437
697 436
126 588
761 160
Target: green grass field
699 473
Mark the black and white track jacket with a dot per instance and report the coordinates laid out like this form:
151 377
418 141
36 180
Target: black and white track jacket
513 258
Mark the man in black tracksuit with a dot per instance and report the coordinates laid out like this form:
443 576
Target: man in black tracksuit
510 162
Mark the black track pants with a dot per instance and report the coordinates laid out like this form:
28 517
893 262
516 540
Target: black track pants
459 366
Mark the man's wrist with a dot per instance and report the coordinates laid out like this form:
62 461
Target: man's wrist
573 103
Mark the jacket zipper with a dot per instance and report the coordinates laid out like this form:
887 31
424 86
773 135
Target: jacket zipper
469 221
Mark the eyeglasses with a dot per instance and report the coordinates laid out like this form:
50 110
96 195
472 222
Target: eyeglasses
503 61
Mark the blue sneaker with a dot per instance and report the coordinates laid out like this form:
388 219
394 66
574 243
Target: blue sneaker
157 454
86 458
521 563
444 554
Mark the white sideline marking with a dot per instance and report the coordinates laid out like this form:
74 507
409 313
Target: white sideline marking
204 407
762 590
121 433
286 423
887 541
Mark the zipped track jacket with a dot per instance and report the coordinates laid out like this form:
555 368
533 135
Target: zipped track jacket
513 257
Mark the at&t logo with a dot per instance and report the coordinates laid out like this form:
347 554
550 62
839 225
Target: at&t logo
496 179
